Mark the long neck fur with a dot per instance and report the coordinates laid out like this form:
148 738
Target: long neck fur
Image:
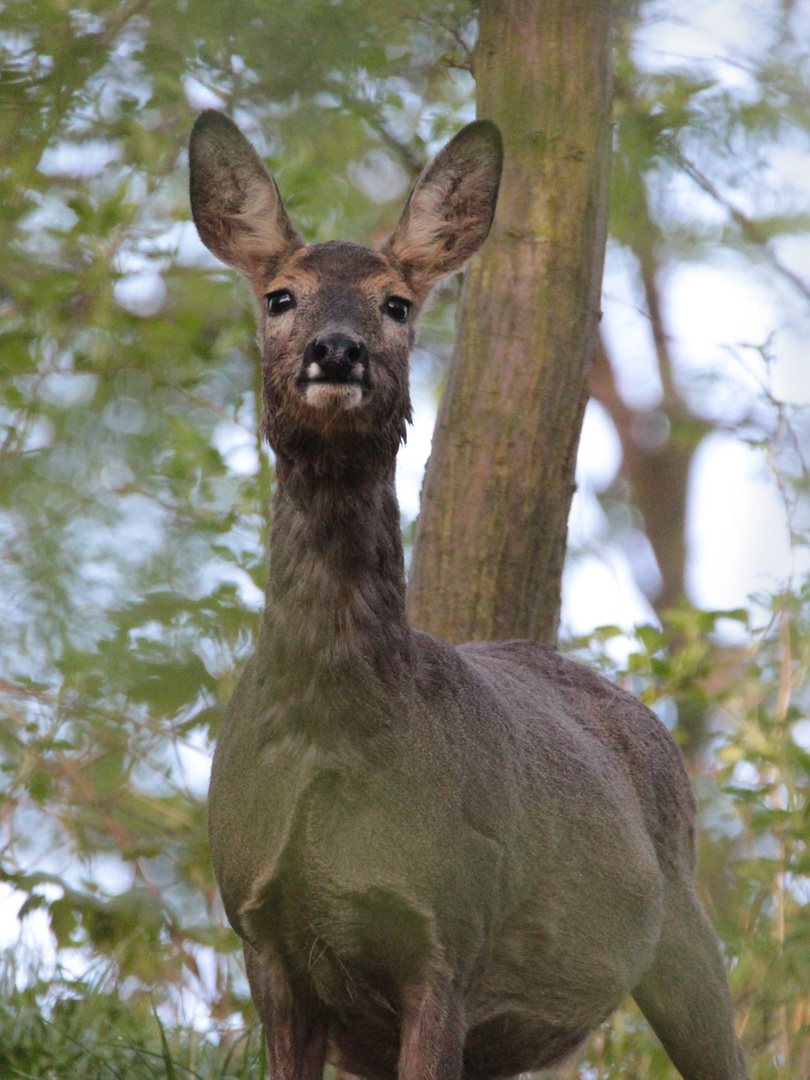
336 642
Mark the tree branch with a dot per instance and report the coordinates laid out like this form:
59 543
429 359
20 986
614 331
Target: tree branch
749 228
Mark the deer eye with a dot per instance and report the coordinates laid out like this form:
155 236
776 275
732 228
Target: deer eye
280 301
397 308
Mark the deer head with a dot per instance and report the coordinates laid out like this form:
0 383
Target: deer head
336 320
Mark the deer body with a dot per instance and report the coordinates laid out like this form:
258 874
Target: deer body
443 862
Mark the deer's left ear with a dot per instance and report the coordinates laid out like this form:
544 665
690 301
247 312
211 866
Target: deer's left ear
450 210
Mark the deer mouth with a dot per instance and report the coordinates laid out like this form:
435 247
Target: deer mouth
323 394
344 389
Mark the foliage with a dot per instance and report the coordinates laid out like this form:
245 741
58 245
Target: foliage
134 490
77 1030
753 789
752 781
701 177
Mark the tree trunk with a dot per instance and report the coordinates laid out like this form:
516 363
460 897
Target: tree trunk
490 541
655 466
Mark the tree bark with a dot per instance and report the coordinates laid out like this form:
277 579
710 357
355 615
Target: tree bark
490 541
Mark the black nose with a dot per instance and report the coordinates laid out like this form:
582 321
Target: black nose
337 356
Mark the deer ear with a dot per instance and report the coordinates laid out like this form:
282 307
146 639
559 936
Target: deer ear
450 210
234 200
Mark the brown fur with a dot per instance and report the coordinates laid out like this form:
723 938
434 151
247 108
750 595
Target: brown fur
443 862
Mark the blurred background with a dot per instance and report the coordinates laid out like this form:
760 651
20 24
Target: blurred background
134 489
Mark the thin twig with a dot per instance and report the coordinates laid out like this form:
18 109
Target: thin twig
750 229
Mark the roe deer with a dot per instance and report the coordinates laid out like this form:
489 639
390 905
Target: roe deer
443 862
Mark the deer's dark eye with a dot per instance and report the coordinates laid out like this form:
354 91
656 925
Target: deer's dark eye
397 308
280 301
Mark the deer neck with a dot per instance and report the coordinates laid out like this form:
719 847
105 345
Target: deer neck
334 633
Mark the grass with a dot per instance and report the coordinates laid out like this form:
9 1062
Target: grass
70 1029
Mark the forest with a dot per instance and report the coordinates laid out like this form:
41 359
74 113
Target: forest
135 488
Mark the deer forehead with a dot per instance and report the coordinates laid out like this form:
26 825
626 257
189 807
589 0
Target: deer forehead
335 271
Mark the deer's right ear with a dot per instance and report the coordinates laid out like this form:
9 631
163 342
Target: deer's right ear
234 200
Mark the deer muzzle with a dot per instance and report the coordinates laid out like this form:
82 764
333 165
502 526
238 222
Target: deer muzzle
335 372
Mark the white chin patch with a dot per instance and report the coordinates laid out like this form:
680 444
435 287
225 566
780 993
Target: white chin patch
333 395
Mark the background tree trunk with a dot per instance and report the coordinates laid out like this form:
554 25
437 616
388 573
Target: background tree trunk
490 541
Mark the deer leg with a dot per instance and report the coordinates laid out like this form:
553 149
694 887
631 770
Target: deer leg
685 996
294 1029
432 1038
